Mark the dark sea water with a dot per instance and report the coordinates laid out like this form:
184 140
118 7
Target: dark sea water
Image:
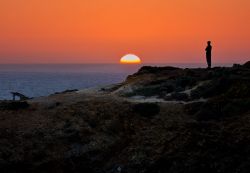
42 80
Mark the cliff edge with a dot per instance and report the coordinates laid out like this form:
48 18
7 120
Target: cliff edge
160 119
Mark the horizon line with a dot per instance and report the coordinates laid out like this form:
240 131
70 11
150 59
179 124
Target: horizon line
113 63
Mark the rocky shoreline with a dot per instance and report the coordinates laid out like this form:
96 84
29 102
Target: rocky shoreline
160 119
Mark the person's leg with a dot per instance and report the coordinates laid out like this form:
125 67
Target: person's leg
209 61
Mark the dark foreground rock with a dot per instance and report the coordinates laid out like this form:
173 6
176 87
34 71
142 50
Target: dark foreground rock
204 126
13 105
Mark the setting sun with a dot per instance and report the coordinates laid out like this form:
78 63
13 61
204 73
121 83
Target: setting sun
130 59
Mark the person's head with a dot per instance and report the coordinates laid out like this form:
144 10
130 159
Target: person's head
209 42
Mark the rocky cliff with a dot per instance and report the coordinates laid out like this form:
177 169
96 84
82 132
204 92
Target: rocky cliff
160 119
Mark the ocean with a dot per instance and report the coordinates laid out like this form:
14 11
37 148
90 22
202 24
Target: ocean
34 80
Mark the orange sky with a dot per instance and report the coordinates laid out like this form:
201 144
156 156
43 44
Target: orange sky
97 31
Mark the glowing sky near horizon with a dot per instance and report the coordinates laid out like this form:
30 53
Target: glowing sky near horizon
102 31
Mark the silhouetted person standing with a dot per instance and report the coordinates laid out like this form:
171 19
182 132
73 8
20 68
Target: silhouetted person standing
209 54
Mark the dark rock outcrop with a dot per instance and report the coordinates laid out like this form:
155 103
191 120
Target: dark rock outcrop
189 84
247 64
